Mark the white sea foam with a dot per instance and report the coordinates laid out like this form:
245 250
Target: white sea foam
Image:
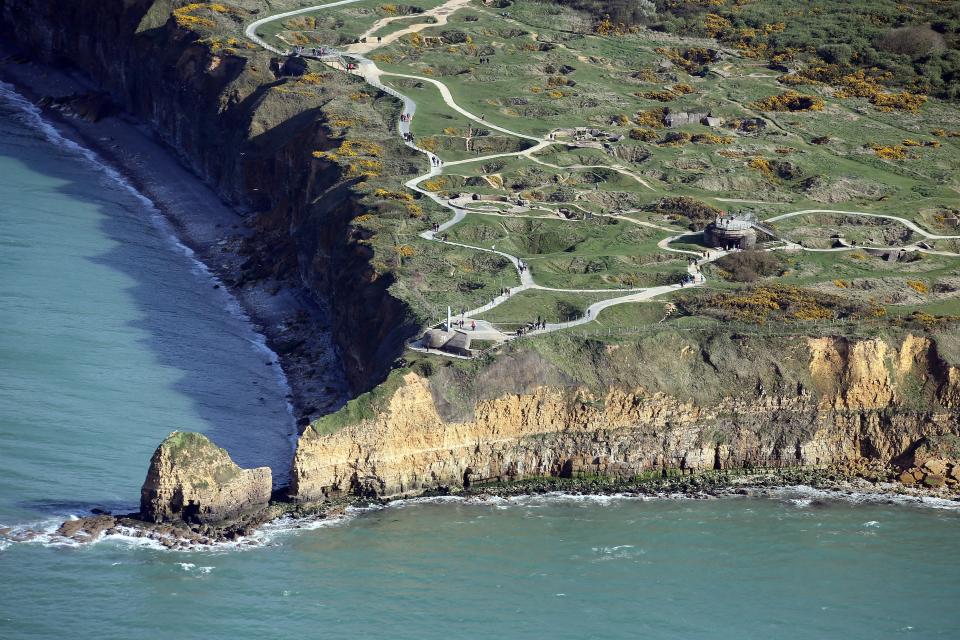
864 497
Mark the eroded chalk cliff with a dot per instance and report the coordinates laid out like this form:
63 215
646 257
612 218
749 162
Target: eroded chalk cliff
850 400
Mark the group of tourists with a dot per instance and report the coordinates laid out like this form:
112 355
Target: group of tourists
484 60
316 52
435 161
435 227
532 326
461 323
408 136
406 117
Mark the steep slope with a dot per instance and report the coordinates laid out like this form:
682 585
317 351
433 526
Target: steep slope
844 401
215 109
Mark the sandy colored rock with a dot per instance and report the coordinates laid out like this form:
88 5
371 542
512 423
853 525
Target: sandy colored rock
192 480
935 466
408 446
907 478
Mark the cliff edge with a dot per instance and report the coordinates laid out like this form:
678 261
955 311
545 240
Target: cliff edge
796 402
194 481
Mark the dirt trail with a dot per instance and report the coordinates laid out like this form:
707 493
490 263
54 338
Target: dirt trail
373 75
441 14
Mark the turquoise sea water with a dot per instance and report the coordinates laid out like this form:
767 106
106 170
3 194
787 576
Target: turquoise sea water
111 336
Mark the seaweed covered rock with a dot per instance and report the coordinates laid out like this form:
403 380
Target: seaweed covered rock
192 480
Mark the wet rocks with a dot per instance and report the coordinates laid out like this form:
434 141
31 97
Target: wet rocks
91 106
933 481
192 480
86 529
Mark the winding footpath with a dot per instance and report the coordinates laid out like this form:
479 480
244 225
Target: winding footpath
373 75
907 223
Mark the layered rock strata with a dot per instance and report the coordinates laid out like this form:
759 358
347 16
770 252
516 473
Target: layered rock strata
192 480
870 400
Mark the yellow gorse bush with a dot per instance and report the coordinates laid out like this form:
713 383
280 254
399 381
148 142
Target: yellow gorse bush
790 101
186 17
918 286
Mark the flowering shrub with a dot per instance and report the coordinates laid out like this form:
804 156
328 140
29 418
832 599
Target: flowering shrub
918 286
765 303
186 17
358 156
762 165
651 118
896 152
647 135
790 101
709 138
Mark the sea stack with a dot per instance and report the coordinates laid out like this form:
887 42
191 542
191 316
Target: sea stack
193 480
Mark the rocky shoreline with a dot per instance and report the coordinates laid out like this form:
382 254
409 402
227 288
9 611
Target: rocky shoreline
294 324
877 484
837 481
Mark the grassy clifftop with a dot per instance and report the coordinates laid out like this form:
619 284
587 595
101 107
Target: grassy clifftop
591 148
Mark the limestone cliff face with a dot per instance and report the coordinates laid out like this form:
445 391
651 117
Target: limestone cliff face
192 480
871 400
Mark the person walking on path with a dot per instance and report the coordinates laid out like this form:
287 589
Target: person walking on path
473 325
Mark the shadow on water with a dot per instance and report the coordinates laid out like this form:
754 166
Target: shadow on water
220 363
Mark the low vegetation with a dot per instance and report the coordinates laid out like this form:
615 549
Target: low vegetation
748 266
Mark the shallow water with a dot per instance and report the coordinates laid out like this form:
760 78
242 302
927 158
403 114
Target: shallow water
530 568
112 336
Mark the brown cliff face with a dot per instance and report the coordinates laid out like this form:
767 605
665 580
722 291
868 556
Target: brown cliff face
862 409
192 480
214 112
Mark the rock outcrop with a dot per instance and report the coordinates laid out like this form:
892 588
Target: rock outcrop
871 401
192 480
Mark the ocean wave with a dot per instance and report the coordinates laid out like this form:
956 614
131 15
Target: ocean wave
189 567
808 494
272 533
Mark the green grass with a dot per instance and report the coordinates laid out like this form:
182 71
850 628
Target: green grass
602 253
610 76
551 306
631 314
366 406
338 25
440 276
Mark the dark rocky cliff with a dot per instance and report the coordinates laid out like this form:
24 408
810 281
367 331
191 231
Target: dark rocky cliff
209 108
